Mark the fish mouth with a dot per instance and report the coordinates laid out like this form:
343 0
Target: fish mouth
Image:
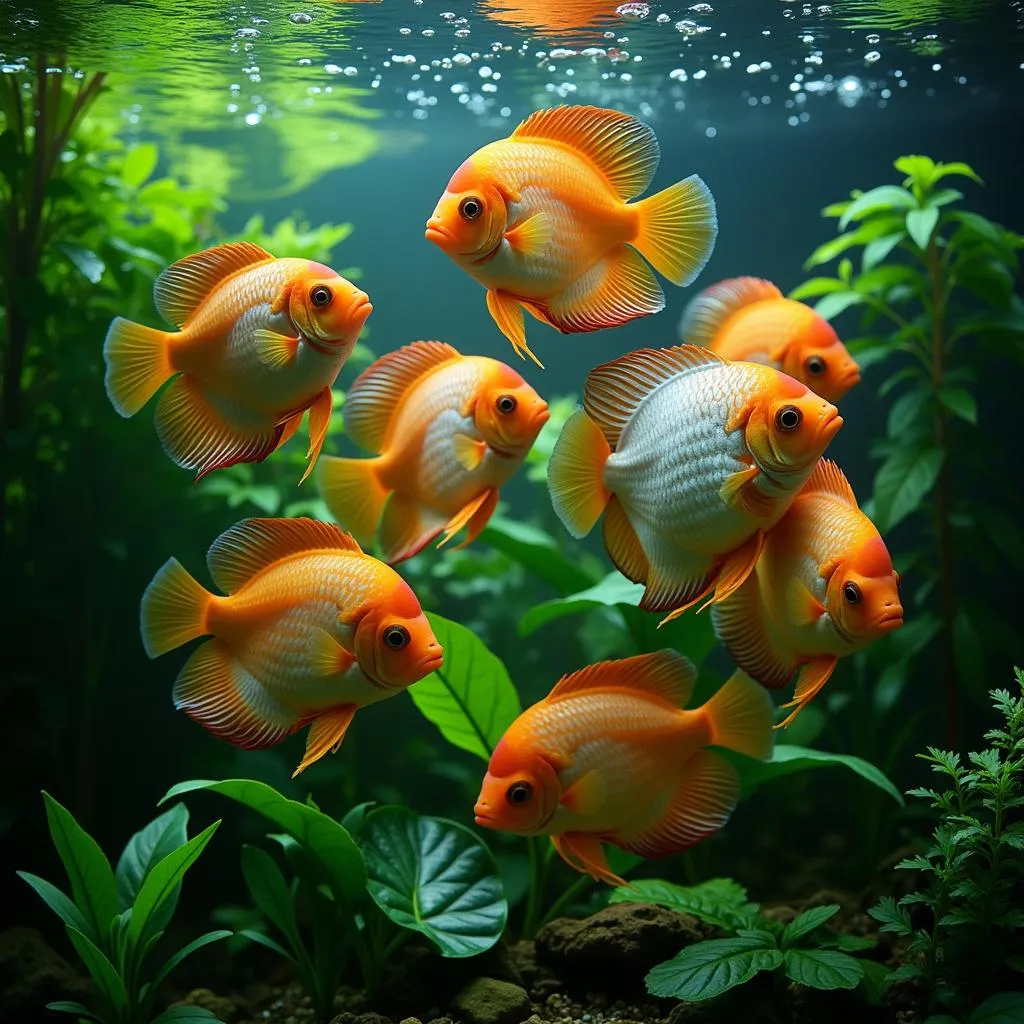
485 820
362 307
431 662
889 621
437 233
830 427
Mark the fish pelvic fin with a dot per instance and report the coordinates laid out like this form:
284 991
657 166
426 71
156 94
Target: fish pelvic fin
576 474
407 528
812 677
354 494
325 735
741 716
475 516
583 852
507 313
174 608
138 363
677 230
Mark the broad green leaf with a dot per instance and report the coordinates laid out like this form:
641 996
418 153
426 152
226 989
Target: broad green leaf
139 164
92 882
270 892
940 171
805 923
355 816
944 197
185 1015
718 901
918 168
265 940
903 481
960 402
878 249
981 226
435 877
885 197
875 981
707 969
907 412
58 902
63 1006
832 305
163 883
85 261
537 551
148 846
322 836
613 590
103 973
1002 1008
921 224
816 286
186 951
470 698
822 968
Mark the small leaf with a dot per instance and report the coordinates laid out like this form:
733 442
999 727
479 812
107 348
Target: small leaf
941 171
885 197
77 1009
816 286
148 846
832 305
185 1015
806 922
613 590
878 249
88 264
921 224
906 412
718 901
139 164
1002 1008
707 969
270 892
58 902
960 402
822 968
104 975
186 951
875 981
268 942
903 481
919 168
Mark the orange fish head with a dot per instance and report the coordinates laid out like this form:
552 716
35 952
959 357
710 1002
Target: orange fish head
508 413
820 360
326 307
469 220
789 426
520 792
394 643
863 594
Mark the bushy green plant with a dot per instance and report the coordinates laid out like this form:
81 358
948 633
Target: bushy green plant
115 919
966 923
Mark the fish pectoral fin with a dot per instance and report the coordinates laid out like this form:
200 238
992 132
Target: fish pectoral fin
275 351
587 795
469 451
809 681
738 565
507 313
531 236
475 515
319 423
740 490
327 655
806 608
706 796
583 852
740 417
325 735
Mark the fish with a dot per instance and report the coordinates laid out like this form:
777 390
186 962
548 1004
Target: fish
449 430
259 341
311 630
823 588
610 756
749 319
569 20
542 220
691 459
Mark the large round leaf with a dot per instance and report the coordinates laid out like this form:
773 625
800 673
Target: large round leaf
435 877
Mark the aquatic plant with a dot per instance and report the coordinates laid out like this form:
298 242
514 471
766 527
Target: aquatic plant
966 923
116 918
364 885
936 288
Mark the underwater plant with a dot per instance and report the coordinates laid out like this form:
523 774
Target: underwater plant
966 921
116 918
936 286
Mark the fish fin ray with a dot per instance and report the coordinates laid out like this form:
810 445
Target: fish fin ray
739 489
677 231
325 735
475 516
623 544
507 313
587 795
708 312
667 675
327 655
531 236
289 428
173 609
677 579
353 493
576 474
828 478
469 451
407 528
737 566
319 424
275 351
812 677
137 364
741 715
583 852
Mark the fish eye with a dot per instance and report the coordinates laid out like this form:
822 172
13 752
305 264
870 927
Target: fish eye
518 793
396 637
815 366
321 295
788 418
851 593
470 208
507 404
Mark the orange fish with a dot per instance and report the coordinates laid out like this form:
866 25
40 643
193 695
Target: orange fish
691 458
824 587
609 756
562 19
311 630
542 220
450 430
747 318
261 340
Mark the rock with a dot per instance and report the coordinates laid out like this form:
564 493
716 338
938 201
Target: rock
223 1009
411 1020
32 974
536 977
490 1001
361 1018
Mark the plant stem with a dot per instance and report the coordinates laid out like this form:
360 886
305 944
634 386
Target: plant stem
577 888
536 890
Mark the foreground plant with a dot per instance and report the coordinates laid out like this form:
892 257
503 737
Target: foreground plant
115 919
966 923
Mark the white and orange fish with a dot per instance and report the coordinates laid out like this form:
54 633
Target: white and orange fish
450 430
750 319
691 458
610 756
542 220
260 341
310 631
823 588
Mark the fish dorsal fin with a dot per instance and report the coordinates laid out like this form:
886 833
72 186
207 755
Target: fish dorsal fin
664 674
622 148
180 290
707 312
249 547
828 478
614 390
372 400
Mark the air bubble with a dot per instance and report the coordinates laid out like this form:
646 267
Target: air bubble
300 18
633 12
247 33
872 57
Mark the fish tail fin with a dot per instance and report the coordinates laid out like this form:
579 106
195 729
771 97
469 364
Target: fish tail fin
677 230
138 362
741 716
354 494
174 609
576 474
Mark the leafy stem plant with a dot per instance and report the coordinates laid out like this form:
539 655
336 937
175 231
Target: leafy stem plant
115 919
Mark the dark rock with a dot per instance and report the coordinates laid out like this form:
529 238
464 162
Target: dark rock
411 1020
223 1009
361 1018
442 1020
32 974
536 977
490 1001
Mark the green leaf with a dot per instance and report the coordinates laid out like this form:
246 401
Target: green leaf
822 968
921 224
270 892
805 923
885 197
613 590
707 969
186 951
878 249
470 698
1002 1008
92 882
981 226
185 1015
718 901
537 551
105 977
355 816
875 981
88 264
906 412
57 901
960 402
816 286
322 836
903 481
268 942
944 197
148 846
941 171
832 305
62 1006
435 877
139 164
918 168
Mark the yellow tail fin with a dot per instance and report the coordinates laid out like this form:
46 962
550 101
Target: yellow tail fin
576 474
678 228
352 490
741 717
137 364
173 609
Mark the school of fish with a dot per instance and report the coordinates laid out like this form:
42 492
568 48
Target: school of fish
703 460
